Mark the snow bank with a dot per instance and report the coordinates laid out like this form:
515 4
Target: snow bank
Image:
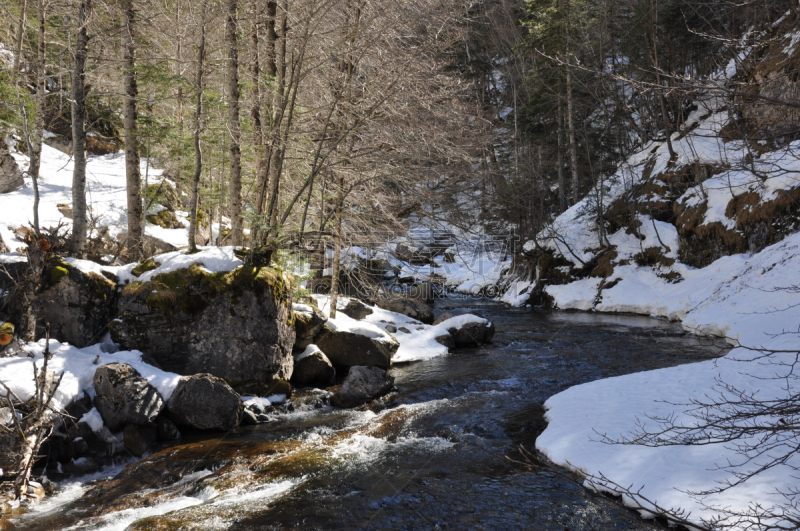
212 259
78 366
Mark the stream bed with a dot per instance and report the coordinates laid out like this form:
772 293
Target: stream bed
427 456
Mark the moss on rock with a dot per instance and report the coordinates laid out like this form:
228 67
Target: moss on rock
144 267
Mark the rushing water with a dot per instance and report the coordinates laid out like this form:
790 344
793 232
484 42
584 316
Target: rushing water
428 456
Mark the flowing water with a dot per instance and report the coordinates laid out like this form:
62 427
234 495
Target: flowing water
428 456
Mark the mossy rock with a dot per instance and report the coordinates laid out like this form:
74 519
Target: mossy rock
234 325
165 219
144 267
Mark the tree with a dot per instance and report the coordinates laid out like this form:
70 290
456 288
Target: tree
233 122
198 155
132 170
78 242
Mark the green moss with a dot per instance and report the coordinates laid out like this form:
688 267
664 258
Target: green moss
144 267
7 328
190 289
166 219
56 273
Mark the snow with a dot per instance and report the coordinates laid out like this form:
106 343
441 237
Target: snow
418 345
212 259
309 350
105 194
78 366
93 419
742 298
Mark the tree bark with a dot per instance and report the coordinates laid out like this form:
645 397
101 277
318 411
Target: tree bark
337 248
130 118
20 34
198 155
233 124
562 183
78 242
278 104
573 148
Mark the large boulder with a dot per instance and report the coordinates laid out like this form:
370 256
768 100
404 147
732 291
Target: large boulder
10 174
124 397
308 322
414 308
356 309
362 385
77 305
235 325
312 367
469 330
349 348
205 402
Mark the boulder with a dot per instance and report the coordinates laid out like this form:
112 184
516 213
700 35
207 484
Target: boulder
356 309
124 397
362 385
308 322
10 174
313 368
447 340
349 349
138 438
3 246
416 309
469 330
442 318
423 291
150 244
205 402
235 325
77 305
167 430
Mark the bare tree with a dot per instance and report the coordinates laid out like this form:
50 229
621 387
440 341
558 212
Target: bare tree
78 242
232 75
198 155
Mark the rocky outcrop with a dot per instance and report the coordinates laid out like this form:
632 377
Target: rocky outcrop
414 308
124 397
468 330
313 368
349 349
205 402
10 174
308 322
77 305
362 385
356 309
234 325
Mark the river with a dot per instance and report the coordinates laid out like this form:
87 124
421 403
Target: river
428 456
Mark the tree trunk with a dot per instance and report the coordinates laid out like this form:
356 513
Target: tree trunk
337 248
198 156
130 118
255 109
233 124
562 184
38 132
573 148
278 104
78 242
20 34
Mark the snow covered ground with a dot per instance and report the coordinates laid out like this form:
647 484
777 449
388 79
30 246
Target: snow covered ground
750 299
105 196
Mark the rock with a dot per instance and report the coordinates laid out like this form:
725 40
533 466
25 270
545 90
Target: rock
249 418
349 349
424 291
442 318
138 439
313 368
356 309
65 210
391 329
416 309
362 385
447 340
10 174
3 246
404 330
308 322
265 389
234 325
167 430
124 397
205 402
77 305
471 333
151 245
